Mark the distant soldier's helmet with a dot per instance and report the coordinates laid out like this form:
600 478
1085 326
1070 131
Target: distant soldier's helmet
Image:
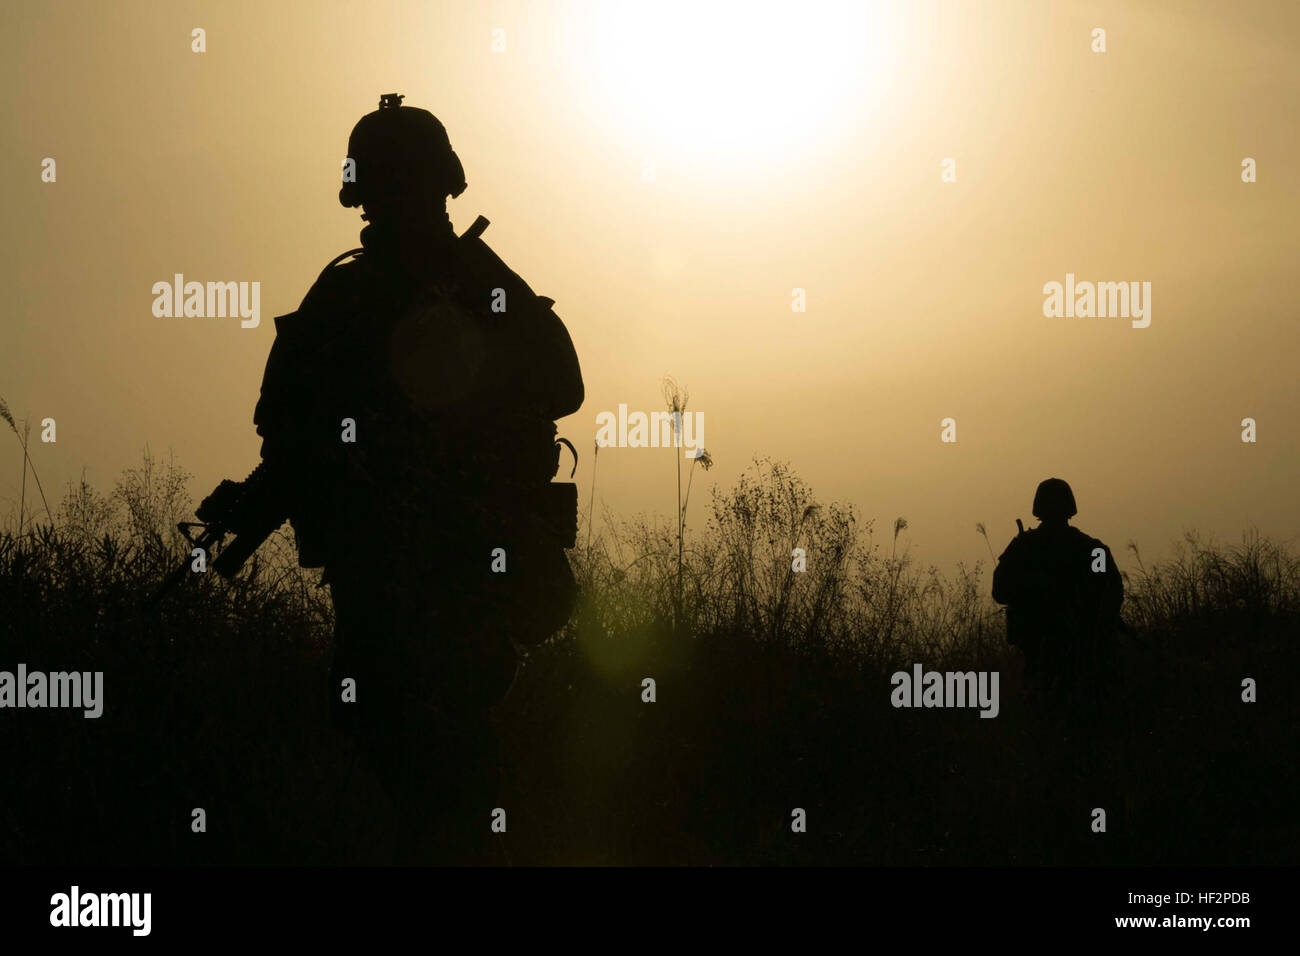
1054 499
399 150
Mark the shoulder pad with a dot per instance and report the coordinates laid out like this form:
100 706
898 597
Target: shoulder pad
283 322
337 260
337 282
293 321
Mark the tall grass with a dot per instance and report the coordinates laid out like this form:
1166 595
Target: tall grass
23 437
1206 580
773 689
740 577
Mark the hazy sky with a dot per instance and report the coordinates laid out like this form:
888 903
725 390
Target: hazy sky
799 149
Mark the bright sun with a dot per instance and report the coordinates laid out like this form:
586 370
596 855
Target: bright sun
727 81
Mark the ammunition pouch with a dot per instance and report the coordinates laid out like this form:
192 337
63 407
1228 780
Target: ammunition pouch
540 600
560 513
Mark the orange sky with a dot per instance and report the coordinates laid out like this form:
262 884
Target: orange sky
796 154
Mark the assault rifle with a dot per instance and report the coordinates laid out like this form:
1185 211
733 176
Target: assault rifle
250 510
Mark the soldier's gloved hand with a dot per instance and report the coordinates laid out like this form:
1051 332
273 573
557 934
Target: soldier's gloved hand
219 502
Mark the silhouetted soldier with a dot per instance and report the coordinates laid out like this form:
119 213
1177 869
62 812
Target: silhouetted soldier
410 403
1063 594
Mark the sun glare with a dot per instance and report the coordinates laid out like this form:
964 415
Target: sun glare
721 80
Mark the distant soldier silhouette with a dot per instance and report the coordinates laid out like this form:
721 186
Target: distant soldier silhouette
1063 594
409 404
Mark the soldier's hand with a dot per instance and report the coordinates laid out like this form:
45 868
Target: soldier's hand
219 502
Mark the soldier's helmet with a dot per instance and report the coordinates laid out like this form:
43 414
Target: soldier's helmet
1054 500
397 151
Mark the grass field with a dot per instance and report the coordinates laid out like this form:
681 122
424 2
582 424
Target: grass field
772 694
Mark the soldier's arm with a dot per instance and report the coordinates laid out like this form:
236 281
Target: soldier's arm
288 417
276 411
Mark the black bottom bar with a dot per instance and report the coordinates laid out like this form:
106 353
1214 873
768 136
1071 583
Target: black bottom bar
489 906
